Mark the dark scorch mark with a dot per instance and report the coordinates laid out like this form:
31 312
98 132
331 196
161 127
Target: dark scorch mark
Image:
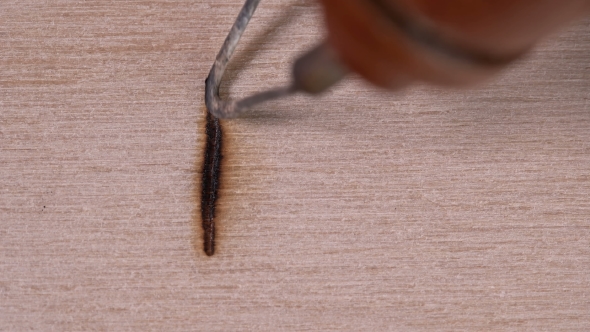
210 184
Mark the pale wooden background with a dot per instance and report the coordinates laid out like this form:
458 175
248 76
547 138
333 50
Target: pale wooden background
428 209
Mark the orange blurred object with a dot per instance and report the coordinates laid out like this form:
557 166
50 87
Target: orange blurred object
392 43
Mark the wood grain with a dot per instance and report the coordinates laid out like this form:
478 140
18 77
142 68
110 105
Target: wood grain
428 209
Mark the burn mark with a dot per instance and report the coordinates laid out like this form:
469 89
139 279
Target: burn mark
210 182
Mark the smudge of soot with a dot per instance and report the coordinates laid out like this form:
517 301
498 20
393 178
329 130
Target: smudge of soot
210 183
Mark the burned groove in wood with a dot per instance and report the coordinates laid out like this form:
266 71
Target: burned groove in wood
210 182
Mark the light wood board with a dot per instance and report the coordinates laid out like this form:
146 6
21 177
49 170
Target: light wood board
425 210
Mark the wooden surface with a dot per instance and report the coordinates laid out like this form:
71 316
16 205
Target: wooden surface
429 209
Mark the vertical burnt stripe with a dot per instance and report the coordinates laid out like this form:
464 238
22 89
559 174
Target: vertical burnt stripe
210 185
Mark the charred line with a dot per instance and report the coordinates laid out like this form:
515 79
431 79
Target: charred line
210 183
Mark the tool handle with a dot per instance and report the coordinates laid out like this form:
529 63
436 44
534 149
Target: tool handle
392 43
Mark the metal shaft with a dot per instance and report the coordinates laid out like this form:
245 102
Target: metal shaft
314 72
